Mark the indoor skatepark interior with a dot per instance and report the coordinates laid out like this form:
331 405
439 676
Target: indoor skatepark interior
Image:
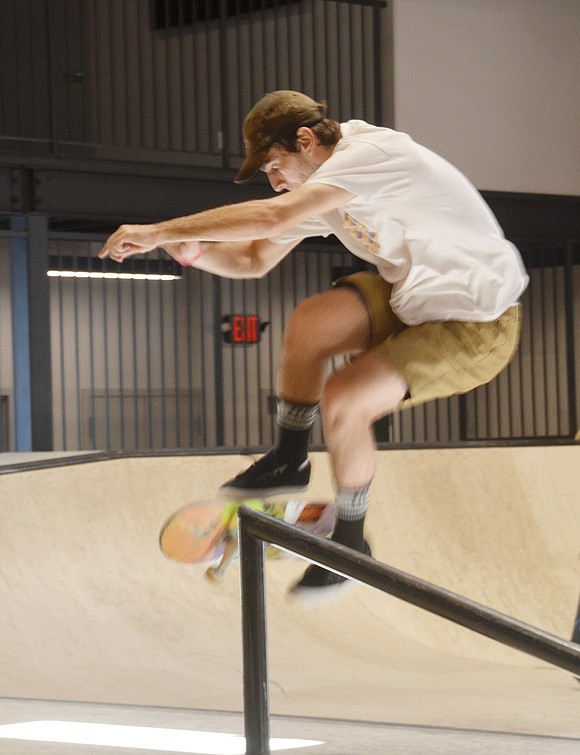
99 631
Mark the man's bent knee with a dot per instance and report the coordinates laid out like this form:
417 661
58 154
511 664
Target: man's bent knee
366 390
336 321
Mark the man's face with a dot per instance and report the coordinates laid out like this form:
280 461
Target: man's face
287 171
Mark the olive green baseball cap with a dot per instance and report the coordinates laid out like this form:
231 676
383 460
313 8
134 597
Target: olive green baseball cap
276 116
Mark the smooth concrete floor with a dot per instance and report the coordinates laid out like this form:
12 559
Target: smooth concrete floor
335 737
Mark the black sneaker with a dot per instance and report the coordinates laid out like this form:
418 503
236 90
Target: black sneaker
269 476
318 585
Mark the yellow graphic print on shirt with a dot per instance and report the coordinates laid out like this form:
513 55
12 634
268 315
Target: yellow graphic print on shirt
369 239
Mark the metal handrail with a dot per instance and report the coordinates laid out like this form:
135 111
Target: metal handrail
257 528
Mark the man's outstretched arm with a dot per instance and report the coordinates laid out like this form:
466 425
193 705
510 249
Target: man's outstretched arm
231 259
243 222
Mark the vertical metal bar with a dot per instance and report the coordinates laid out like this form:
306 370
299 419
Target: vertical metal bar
556 301
310 31
337 65
327 66
3 81
233 362
92 393
18 71
265 50
218 364
36 108
570 348
199 109
135 344
254 642
533 340
276 35
521 402
64 39
351 47
182 78
4 358
61 342
40 344
176 331
95 135
204 402
377 74
247 411
77 357
106 386
543 344
253 66
20 336
167 87
120 353
81 25
162 364
242 63
272 373
511 428
111 85
257 310
187 280
154 91
148 361
138 48
52 86
126 33
224 86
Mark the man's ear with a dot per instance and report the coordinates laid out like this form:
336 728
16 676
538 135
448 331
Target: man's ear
306 138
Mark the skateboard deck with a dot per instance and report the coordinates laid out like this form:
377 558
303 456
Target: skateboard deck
206 532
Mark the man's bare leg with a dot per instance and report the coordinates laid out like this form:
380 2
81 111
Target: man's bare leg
323 326
353 399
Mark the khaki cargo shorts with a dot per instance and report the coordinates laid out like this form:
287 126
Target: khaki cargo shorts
437 359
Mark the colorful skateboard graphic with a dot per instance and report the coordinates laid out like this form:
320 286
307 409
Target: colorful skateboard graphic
206 532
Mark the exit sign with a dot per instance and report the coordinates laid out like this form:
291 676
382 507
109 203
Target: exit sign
242 328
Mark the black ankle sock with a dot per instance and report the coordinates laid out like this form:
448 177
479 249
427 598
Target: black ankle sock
293 445
350 533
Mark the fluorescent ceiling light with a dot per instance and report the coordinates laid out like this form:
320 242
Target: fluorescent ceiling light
140 737
132 269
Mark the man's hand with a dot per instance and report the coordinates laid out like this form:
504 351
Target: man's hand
129 240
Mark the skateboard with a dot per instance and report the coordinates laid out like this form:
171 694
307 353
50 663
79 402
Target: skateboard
206 532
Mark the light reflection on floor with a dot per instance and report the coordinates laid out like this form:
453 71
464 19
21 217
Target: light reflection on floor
139 737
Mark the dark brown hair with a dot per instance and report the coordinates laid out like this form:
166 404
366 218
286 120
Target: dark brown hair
326 131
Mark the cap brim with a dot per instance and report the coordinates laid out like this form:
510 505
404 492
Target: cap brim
250 167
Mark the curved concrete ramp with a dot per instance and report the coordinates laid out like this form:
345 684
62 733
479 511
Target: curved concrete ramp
91 610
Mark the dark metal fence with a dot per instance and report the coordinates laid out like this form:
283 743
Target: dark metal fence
138 364
171 80
133 364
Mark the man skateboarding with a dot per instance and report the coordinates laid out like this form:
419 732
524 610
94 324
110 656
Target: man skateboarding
438 317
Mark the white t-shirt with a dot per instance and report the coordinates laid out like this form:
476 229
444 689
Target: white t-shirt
422 223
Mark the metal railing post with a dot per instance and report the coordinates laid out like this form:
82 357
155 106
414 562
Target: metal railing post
254 640
481 619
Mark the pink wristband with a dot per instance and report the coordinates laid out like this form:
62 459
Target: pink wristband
189 262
